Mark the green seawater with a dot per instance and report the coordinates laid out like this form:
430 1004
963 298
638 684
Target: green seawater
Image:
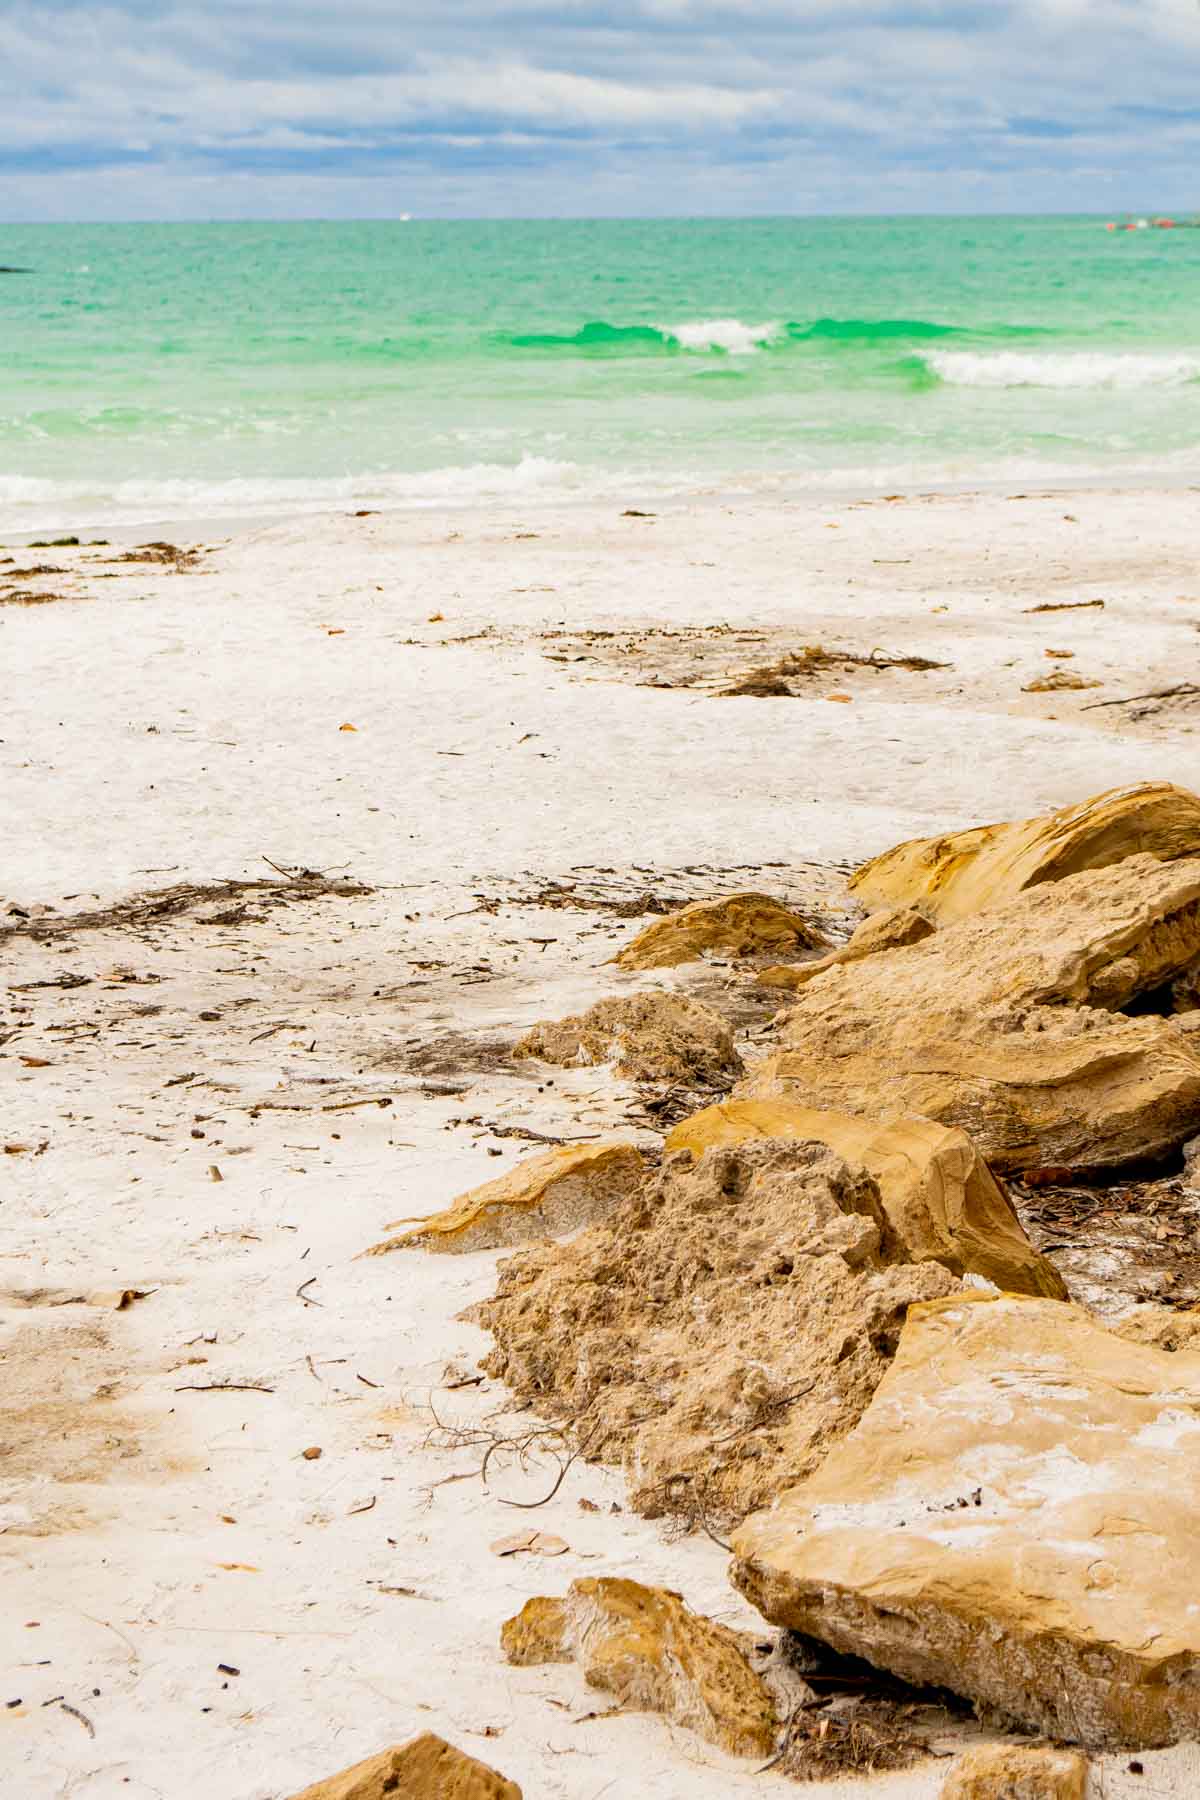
153 371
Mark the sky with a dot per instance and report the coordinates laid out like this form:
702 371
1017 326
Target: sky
193 109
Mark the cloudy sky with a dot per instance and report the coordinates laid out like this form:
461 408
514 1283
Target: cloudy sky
342 108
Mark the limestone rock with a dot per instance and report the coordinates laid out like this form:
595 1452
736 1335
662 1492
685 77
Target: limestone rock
543 1195
951 877
891 929
648 1037
1013 1519
647 1649
736 924
426 1769
941 1200
1008 1024
720 1331
1011 1772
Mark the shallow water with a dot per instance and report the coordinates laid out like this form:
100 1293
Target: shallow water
187 370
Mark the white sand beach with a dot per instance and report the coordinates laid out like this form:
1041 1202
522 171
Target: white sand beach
220 1106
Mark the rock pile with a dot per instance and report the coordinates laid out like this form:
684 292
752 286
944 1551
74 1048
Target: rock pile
1031 1025
821 1318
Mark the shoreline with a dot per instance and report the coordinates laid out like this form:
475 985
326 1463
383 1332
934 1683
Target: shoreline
760 489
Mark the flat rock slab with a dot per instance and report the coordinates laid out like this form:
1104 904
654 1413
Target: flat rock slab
541 1196
1014 1518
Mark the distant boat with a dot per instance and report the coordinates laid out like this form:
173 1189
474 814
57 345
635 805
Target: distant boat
1153 225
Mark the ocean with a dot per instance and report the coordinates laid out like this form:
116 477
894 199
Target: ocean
171 371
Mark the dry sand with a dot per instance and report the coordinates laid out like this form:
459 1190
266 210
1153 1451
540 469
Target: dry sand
163 726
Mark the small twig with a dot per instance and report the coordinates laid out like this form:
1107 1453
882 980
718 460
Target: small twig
362 1509
301 1295
225 1387
65 1706
347 1105
312 1369
1168 693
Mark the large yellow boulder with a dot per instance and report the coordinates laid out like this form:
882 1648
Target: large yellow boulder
426 1769
1010 1024
953 876
652 1653
541 1196
941 1200
734 925
1013 1518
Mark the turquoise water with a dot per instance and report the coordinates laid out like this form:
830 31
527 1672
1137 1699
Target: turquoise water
163 370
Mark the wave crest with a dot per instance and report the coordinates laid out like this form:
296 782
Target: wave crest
1062 369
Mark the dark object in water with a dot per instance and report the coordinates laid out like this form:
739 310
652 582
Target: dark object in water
13 269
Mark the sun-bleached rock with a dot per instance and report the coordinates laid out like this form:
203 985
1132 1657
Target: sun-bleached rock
428 1768
891 929
941 1200
720 1331
1014 1772
654 1036
1013 1519
545 1194
953 876
735 925
652 1653
1008 1025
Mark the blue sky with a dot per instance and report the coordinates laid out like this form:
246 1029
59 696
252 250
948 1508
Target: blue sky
191 109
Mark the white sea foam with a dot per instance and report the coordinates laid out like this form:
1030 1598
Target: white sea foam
1063 369
729 335
30 502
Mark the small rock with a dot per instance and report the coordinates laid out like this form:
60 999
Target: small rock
1007 1772
428 1768
648 1649
738 924
648 1037
312 1454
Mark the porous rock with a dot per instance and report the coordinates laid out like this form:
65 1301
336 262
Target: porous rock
545 1194
940 1198
654 1036
428 1768
950 877
1008 1024
1060 681
1014 1772
652 1653
720 1331
890 929
1013 1519
736 925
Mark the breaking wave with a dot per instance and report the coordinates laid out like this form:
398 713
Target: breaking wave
1062 369
728 337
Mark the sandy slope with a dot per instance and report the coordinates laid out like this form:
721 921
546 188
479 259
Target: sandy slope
161 726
